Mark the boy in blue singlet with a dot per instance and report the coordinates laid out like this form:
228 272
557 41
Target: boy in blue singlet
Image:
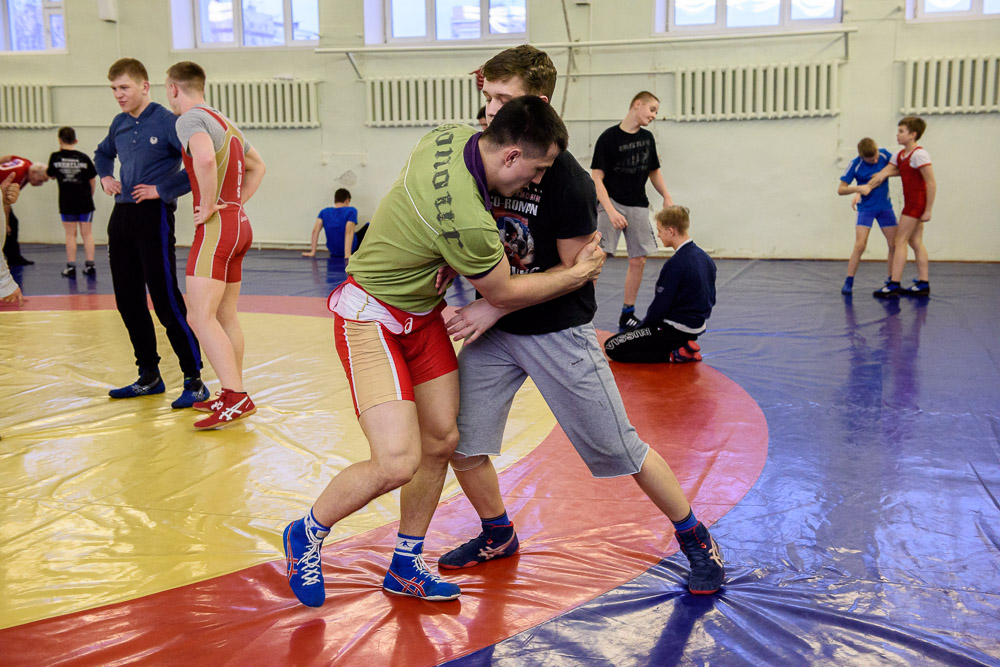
338 221
871 207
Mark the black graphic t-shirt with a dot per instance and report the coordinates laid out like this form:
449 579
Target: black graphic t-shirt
626 160
562 206
73 170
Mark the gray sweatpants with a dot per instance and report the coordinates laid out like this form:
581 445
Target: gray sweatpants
571 372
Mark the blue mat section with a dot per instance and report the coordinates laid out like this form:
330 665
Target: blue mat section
873 534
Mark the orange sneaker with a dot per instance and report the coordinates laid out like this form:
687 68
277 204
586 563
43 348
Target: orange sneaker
234 406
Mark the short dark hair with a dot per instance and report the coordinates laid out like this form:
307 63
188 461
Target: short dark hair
67 135
914 124
527 63
187 75
678 217
128 66
643 95
867 147
529 122
341 195
482 113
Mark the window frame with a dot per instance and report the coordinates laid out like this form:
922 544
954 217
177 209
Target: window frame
430 37
915 12
49 8
193 10
663 21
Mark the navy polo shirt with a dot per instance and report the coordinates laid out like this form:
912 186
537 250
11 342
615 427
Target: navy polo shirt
149 152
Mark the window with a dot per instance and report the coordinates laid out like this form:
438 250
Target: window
446 20
244 23
952 9
725 15
32 25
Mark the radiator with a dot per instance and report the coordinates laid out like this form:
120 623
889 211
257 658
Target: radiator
25 105
786 90
961 84
421 100
266 104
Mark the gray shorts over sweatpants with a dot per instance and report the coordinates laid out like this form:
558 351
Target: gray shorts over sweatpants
571 372
640 239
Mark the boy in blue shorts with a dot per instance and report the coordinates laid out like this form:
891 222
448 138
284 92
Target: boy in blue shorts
76 175
874 206
338 222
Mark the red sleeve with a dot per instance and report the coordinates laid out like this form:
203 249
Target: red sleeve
17 166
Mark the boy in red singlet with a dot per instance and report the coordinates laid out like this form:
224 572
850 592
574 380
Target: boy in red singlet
225 171
913 166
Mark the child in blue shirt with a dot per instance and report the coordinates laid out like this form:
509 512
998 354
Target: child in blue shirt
872 207
338 221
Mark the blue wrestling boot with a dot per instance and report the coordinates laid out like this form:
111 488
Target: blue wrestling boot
707 570
918 288
149 383
408 575
889 291
303 540
195 391
496 541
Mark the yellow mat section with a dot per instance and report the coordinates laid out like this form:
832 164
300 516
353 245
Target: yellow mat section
106 500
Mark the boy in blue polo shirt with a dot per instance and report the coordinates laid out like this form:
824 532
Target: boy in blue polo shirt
872 207
141 239
338 222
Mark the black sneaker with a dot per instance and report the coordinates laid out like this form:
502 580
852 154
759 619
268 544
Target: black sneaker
478 550
69 272
628 322
90 270
707 570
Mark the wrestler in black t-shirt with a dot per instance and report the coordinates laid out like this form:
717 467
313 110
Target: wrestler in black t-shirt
530 225
73 171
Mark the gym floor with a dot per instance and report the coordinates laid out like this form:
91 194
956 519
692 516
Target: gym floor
846 451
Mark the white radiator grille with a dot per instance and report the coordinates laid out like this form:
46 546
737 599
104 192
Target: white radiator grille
420 100
25 105
266 104
963 84
787 90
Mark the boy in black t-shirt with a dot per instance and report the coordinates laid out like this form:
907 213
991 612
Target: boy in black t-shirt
554 343
76 176
624 157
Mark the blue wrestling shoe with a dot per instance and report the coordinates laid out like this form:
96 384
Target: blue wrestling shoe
479 550
888 291
408 575
195 391
707 569
303 565
139 389
918 288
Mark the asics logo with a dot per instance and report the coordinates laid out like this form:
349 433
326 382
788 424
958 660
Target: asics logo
714 554
234 411
411 586
310 561
492 552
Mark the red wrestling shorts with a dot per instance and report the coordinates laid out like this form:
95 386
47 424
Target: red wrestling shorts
385 360
219 246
